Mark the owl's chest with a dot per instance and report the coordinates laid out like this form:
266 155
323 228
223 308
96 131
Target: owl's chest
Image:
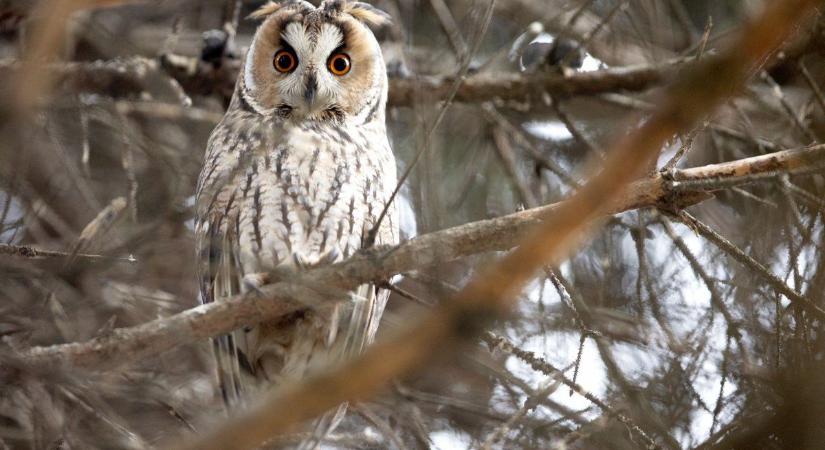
314 194
326 174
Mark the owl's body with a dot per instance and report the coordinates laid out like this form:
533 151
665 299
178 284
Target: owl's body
296 174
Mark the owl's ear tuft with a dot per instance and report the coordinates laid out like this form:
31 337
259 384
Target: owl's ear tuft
272 7
366 13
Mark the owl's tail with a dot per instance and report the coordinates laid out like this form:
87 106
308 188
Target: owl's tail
356 325
322 427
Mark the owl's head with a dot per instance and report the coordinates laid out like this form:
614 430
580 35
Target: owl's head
320 64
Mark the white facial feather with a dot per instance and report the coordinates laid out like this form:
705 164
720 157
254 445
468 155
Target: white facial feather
329 39
312 57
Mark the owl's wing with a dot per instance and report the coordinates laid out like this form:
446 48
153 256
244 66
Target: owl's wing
220 277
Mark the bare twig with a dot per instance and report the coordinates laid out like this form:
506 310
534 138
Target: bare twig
505 151
715 296
757 268
786 106
571 127
725 174
367 413
529 404
541 365
430 131
100 225
820 97
25 251
450 27
523 141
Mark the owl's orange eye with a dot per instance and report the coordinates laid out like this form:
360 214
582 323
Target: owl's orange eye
285 61
339 64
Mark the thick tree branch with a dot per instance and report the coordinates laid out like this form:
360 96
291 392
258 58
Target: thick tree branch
132 344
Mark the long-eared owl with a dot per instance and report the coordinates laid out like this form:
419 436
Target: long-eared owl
295 175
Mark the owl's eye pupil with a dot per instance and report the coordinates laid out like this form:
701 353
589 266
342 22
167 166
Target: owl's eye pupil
284 61
340 65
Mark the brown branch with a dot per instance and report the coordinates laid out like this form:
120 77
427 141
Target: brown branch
131 344
493 291
716 176
25 251
513 86
539 364
126 78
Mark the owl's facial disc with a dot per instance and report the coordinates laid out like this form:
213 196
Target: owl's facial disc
312 88
310 64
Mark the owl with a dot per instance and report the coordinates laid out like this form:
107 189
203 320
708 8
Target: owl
295 175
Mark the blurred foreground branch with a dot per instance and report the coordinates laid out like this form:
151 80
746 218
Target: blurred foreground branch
32 81
492 293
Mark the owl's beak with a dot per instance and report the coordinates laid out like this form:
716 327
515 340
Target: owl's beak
310 90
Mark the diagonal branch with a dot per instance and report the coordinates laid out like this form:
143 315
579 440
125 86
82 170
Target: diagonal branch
492 293
502 233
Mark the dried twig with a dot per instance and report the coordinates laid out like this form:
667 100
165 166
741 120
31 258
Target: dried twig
25 251
757 268
539 364
425 144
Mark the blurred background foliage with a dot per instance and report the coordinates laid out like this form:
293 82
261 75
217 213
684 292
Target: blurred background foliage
673 336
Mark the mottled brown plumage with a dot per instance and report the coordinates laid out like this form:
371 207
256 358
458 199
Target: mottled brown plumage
295 175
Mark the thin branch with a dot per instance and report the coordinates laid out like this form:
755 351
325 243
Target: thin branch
820 97
787 108
430 131
25 251
757 267
539 364
571 127
367 413
715 176
524 142
529 404
450 27
715 296
505 152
